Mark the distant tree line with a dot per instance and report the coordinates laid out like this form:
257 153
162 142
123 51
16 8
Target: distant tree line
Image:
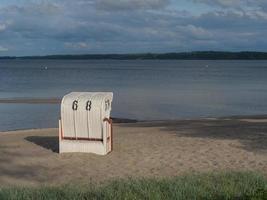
195 55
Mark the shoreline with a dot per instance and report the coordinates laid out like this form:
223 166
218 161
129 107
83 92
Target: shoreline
116 120
189 55
31 100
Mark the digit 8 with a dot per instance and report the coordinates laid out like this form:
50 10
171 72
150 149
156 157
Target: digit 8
88 105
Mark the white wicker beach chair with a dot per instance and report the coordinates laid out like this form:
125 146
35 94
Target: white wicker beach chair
85 124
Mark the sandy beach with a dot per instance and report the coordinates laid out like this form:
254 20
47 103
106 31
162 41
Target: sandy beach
142 149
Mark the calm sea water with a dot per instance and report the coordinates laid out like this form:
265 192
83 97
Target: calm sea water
143 89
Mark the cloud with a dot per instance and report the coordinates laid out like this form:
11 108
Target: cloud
76 45
195 32
117 5
2 27
33 8
3 48
222 3
233 20
236 4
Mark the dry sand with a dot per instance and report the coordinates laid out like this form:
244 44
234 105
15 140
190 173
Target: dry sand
147 149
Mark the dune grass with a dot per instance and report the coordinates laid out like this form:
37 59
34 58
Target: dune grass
224 185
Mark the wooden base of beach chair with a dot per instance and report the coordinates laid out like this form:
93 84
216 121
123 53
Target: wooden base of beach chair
86 145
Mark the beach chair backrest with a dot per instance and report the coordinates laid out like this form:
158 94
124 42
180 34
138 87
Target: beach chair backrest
83 114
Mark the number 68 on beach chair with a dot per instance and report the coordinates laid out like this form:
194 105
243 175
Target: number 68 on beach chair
85 124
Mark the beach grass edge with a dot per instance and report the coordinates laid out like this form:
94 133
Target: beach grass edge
214 185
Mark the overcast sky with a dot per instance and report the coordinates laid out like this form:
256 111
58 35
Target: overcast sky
41 27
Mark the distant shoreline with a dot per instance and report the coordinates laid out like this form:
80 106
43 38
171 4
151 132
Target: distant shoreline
195 55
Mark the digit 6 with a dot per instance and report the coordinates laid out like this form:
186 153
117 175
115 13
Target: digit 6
75 105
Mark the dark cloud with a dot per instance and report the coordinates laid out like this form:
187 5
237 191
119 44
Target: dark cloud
223 3
118 5
87 26
235 4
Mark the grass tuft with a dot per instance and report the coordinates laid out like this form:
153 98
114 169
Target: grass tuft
207 186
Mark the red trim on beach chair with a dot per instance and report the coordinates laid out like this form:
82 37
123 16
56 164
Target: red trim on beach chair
81 138
109 120
90 139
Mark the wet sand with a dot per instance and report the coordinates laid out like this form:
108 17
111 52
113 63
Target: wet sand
143 149
31 101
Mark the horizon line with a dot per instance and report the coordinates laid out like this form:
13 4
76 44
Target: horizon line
144 53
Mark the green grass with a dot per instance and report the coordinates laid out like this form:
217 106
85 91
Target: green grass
226 185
